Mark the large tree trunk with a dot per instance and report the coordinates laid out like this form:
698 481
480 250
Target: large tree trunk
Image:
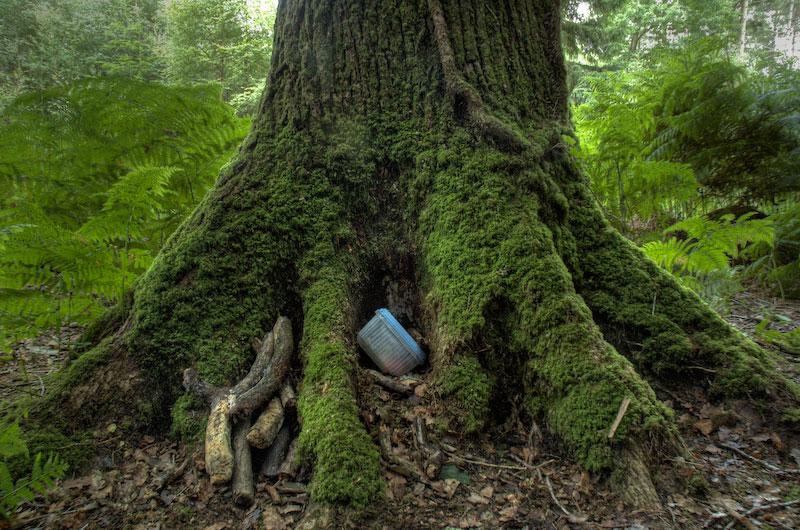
422 139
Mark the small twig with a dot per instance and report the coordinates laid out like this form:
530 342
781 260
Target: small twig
751 511
702 369
390 383
483 463
530 466
764 463
553 494
623 408
739 518
770 507
534 431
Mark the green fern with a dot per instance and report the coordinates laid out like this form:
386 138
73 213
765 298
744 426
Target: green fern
43 475
788 341
95 175
701 258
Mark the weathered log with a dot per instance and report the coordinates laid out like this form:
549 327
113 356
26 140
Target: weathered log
243 487
219 453
266 427
277 452
271 375
288 396
288 469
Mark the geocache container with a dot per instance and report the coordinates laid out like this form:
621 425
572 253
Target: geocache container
389 345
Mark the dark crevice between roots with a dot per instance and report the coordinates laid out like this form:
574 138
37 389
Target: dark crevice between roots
392 283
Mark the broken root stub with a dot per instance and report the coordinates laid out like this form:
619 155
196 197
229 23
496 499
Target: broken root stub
288 396
288 469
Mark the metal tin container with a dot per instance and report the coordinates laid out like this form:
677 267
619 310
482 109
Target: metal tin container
389 345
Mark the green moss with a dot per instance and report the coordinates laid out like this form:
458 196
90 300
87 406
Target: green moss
105 325
345 459
491 233
189 417
698 486
471 389
78 371
662 327
792 415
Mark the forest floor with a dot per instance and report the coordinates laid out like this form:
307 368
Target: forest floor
510 477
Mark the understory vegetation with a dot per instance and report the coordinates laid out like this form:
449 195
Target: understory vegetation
117 118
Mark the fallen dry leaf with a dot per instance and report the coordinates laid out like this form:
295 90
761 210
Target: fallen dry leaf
450 487
508 513
475 498
272 519
704 426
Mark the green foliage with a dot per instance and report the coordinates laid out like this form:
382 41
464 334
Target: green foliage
778 266
43 474
221 40
657 142
738 133
622 32
788 341
701 257
48 42
613 127
95 176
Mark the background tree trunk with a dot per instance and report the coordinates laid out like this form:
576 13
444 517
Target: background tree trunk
422 141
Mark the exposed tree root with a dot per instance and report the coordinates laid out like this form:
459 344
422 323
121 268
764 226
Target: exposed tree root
634 481
465 94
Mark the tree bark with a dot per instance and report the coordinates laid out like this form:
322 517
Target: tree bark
421 139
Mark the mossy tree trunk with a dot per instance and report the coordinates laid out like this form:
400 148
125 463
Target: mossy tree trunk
426 136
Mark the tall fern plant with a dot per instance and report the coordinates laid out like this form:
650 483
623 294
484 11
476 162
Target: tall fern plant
699 252
94 176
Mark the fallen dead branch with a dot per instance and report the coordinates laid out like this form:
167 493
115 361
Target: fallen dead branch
277 453
266 427
230 432
244 492
432 455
